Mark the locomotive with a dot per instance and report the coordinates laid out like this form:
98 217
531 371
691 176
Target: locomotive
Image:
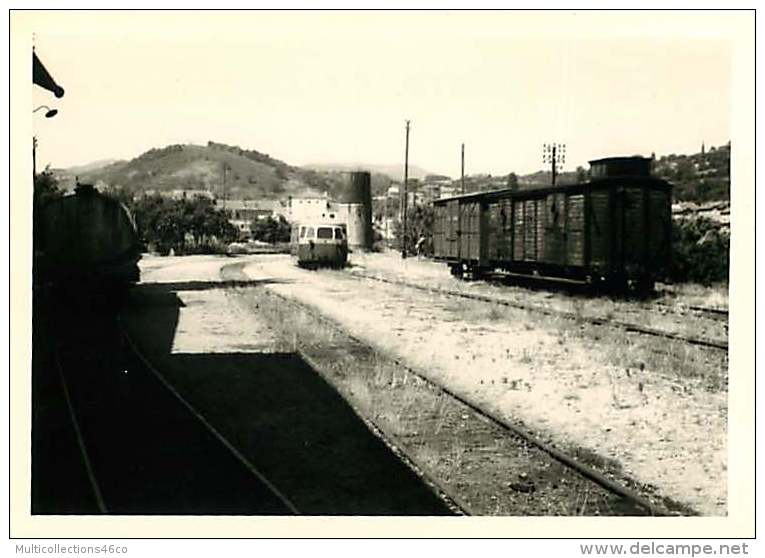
613 231
86 242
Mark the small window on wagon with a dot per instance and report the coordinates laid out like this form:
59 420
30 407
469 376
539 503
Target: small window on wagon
309 232
338 234
324 232
302 232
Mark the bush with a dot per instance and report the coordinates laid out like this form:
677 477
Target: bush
700 251
419 226
271 230
185 226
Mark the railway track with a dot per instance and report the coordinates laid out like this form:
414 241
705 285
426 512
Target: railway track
707 311
600 321
211 429
629 495
124 451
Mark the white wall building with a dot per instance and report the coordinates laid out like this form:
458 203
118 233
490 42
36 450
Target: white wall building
312 209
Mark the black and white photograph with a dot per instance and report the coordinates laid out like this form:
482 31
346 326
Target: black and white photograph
407 265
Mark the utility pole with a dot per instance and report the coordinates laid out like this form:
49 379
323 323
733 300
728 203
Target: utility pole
385 221
224 184
462 173
555 154
49 114
406 181
553 165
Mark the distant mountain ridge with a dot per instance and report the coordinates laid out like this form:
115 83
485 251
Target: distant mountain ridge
394 172
95 165
236 173
226 171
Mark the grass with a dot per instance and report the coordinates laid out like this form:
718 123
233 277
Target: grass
610 346
466 453
714 296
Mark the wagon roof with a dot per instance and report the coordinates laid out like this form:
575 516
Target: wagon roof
544 189
622 159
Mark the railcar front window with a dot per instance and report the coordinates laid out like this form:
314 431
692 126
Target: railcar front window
309 232
302 232
338 234
324 233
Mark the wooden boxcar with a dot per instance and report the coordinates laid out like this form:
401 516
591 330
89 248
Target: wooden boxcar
614 229
86 241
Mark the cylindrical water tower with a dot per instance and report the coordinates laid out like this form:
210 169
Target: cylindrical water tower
354 206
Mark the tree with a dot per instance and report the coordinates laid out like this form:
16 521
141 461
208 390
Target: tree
166 223
419 225
700 251
512 181
46 186
581 175
271 230
45 189
120 194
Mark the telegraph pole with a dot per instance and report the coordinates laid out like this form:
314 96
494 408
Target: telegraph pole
462 172
555 154
406 181
553 165
224 184
385 220
49 114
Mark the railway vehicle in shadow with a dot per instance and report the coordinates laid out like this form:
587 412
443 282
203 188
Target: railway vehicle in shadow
320 245
613 232
86 244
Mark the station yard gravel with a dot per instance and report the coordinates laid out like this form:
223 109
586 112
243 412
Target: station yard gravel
658 409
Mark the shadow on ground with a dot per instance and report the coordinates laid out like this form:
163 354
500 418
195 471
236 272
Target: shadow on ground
150 455
179 286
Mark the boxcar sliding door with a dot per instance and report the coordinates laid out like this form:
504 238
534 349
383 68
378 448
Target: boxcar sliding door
575 230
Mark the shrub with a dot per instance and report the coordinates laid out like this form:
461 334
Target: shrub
271 230
419 226
700 251
185 226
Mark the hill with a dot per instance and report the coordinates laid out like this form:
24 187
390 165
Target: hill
394 172
226 171
249 174
700 177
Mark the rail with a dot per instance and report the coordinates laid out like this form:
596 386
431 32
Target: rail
561 456
627 326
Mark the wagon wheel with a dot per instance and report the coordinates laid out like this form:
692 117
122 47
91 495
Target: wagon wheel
456 270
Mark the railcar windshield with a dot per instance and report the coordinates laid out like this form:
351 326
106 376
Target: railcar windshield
338 234
302 232
324 233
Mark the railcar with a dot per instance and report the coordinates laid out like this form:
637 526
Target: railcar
86 242
320 245
613 231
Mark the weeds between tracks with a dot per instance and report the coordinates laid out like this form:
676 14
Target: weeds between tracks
484 466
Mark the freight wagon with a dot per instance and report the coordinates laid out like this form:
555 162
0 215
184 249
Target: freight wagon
87 243
613 231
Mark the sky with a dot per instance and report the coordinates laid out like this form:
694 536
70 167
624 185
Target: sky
337 87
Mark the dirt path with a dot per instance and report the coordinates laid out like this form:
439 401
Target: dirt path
570 384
